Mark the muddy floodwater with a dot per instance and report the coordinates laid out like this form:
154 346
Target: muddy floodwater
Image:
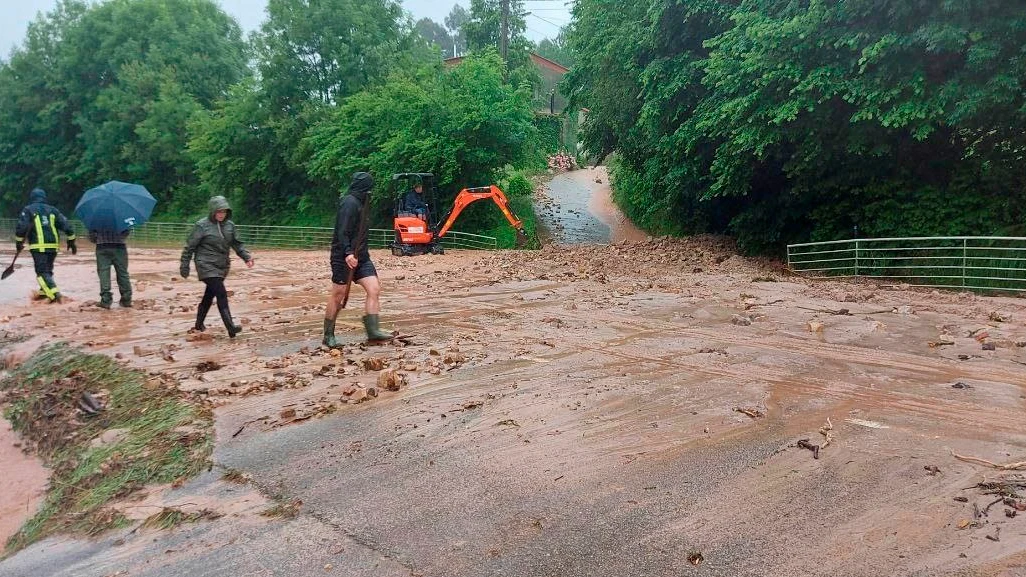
558 417
22 483
576 207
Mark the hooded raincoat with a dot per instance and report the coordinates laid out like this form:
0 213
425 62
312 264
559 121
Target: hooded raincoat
210 242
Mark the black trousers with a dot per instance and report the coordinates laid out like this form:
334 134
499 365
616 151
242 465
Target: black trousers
43 262
215 289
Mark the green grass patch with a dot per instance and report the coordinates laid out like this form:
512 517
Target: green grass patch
153 436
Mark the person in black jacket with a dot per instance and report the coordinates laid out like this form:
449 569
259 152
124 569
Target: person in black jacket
40 224
349 256
414 201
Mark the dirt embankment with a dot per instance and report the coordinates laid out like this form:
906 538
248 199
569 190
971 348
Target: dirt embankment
631 409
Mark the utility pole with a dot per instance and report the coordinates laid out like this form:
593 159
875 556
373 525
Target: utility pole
504 32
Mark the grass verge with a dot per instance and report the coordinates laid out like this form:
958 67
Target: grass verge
153 435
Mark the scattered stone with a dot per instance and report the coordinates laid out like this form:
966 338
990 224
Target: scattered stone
814 327
905 311
109 438
207 366
989 347
455 358
391 380
374 364
287 414
741 320
753 413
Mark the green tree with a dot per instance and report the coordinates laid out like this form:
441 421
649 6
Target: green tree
454 22
103 92
463 124
311 56
780 121
436 35
557 49
324 50
483 30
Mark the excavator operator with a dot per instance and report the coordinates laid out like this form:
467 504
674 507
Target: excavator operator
414 201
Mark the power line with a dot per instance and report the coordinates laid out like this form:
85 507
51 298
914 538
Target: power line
556 24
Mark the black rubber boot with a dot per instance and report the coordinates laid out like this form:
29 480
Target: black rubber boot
374 332
329 335
226 316
201 316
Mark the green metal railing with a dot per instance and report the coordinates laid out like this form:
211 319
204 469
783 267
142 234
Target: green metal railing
172 234
982 263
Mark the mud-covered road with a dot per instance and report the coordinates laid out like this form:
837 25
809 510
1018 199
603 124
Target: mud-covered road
627 410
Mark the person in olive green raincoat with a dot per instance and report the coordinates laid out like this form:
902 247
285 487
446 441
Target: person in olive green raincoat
209 244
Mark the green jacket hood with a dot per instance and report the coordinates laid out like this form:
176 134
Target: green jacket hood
219 203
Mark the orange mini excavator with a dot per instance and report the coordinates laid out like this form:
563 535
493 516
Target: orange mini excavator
414 233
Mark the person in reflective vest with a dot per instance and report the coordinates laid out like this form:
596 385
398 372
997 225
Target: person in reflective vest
40 225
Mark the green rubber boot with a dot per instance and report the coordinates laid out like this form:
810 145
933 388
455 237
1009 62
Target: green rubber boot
374 332
329 335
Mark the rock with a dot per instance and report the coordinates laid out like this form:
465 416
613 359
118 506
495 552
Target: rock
814 326
108 438
287 414
359 395
391 380
989 347
348 390
455 358
374 364
905 311
741 320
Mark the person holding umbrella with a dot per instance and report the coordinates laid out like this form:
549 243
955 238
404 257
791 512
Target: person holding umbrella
39 224
111 251
109 212
209 244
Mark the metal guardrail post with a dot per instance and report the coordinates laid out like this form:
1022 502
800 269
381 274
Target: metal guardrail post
965 243
856 258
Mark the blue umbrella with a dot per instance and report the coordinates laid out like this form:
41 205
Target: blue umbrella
116 206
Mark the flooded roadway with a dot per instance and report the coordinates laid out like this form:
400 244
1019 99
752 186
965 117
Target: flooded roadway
576 208
591 426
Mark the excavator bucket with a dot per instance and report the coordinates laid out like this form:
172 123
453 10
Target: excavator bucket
522 240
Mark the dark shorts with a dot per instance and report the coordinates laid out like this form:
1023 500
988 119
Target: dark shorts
340 271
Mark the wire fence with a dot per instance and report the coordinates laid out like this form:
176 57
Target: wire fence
173 234
979 263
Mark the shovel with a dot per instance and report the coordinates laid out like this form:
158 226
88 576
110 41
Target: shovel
10 270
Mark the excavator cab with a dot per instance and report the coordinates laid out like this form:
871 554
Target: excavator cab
414 233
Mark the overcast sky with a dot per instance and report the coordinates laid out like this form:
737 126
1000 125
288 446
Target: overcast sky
544 20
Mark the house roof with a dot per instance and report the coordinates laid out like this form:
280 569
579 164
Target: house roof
538 60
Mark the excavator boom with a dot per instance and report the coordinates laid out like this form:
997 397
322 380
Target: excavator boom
469 195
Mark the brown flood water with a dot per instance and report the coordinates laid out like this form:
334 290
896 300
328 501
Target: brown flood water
23 485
